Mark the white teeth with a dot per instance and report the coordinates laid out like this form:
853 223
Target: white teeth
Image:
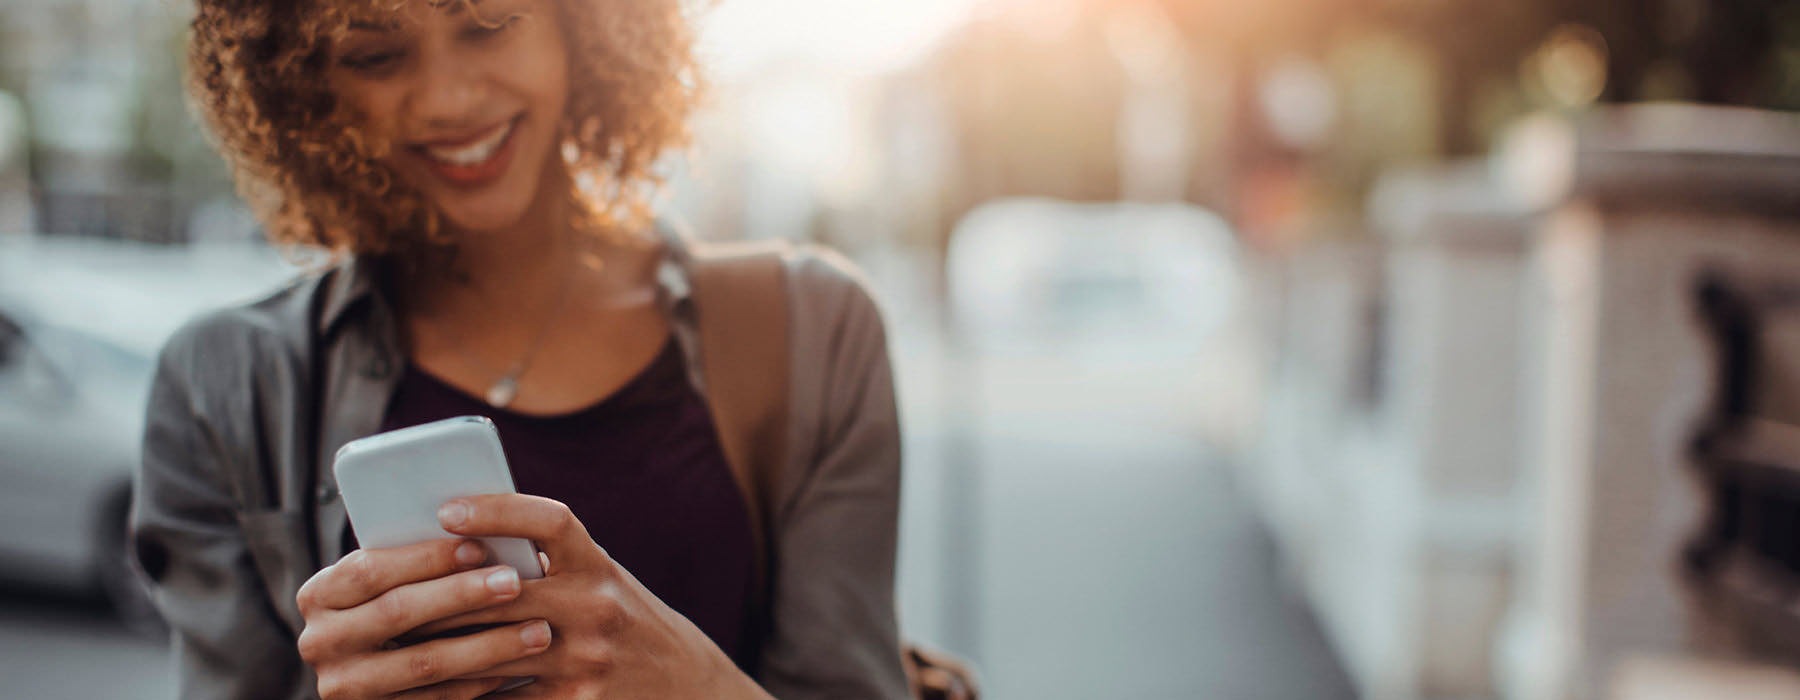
475 152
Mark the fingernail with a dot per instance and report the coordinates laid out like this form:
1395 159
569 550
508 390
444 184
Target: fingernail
504 581
453 513
469 553
536 635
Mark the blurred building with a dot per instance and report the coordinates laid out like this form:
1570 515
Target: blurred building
113 152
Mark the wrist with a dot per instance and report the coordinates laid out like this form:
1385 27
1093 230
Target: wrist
748 689
731 682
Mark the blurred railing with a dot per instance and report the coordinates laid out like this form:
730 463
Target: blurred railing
1505 513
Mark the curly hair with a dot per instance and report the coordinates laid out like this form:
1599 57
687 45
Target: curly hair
257 76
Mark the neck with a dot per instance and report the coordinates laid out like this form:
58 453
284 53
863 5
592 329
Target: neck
505 273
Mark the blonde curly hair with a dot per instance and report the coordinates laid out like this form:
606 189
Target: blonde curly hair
257 75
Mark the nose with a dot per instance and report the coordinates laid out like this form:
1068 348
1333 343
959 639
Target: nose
448 92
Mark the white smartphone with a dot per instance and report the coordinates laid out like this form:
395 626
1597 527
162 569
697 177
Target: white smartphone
394 482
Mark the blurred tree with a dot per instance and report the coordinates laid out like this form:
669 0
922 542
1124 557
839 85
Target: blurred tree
11 78
169 147
1718 51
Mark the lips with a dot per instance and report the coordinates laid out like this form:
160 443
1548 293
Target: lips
473 161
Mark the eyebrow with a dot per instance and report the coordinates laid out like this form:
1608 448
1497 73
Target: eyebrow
455 7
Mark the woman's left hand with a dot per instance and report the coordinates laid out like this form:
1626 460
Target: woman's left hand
610 636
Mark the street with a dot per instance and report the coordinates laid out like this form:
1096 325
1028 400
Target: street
55 647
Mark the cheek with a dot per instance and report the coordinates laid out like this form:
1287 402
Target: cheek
546 71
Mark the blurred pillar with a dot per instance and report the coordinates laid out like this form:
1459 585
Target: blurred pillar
1641 202
1444 471
1398 510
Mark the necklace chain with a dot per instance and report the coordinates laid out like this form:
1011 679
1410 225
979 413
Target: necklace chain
501 393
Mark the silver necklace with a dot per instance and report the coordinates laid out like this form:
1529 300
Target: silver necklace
502 392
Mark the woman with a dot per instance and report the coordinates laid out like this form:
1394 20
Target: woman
482 168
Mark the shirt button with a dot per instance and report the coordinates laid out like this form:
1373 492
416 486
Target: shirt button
327 493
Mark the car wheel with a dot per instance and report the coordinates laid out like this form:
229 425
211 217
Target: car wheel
129 598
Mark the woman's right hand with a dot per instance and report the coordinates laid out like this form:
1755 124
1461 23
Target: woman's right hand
356 607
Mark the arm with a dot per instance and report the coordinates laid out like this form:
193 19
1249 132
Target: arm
196 546
836 634
186 539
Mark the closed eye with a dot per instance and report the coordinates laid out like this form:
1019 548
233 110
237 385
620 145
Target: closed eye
482 29
372 62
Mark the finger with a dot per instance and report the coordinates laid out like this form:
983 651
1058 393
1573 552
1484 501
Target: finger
365 574
534 666
393 613
456 658
532 602
592 658
549 523
454 690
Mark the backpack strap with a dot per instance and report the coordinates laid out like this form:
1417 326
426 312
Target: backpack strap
741 305
741 309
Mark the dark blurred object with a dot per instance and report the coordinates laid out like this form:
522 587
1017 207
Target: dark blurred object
1747 555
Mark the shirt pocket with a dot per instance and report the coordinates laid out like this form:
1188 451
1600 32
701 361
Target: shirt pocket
280 547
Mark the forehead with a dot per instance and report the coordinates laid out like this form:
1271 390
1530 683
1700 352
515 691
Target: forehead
395 14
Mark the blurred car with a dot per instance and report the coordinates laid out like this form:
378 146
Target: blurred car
1061 308
80 324
1109 280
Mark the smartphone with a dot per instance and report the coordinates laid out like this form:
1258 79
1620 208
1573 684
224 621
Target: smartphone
394 482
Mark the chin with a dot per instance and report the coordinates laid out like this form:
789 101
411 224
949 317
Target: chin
495 209
498 206
482 220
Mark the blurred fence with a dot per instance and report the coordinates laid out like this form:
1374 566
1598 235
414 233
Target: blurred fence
1478 453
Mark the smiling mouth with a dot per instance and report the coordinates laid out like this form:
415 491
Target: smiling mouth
474 162
474 152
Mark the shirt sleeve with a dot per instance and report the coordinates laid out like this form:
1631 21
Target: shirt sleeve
188 545
835 630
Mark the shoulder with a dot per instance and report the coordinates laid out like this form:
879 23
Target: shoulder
238 341
827 287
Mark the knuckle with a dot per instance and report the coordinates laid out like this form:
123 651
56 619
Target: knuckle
312 645
361 572
598 657
566 522
310 596
390 611
307 598
609 614
425 667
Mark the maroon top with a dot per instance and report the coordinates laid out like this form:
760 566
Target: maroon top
644 471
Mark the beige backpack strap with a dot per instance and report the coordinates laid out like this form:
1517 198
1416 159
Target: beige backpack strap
741 307
740 298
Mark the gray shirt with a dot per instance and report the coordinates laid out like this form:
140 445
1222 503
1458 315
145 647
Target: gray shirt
235 505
